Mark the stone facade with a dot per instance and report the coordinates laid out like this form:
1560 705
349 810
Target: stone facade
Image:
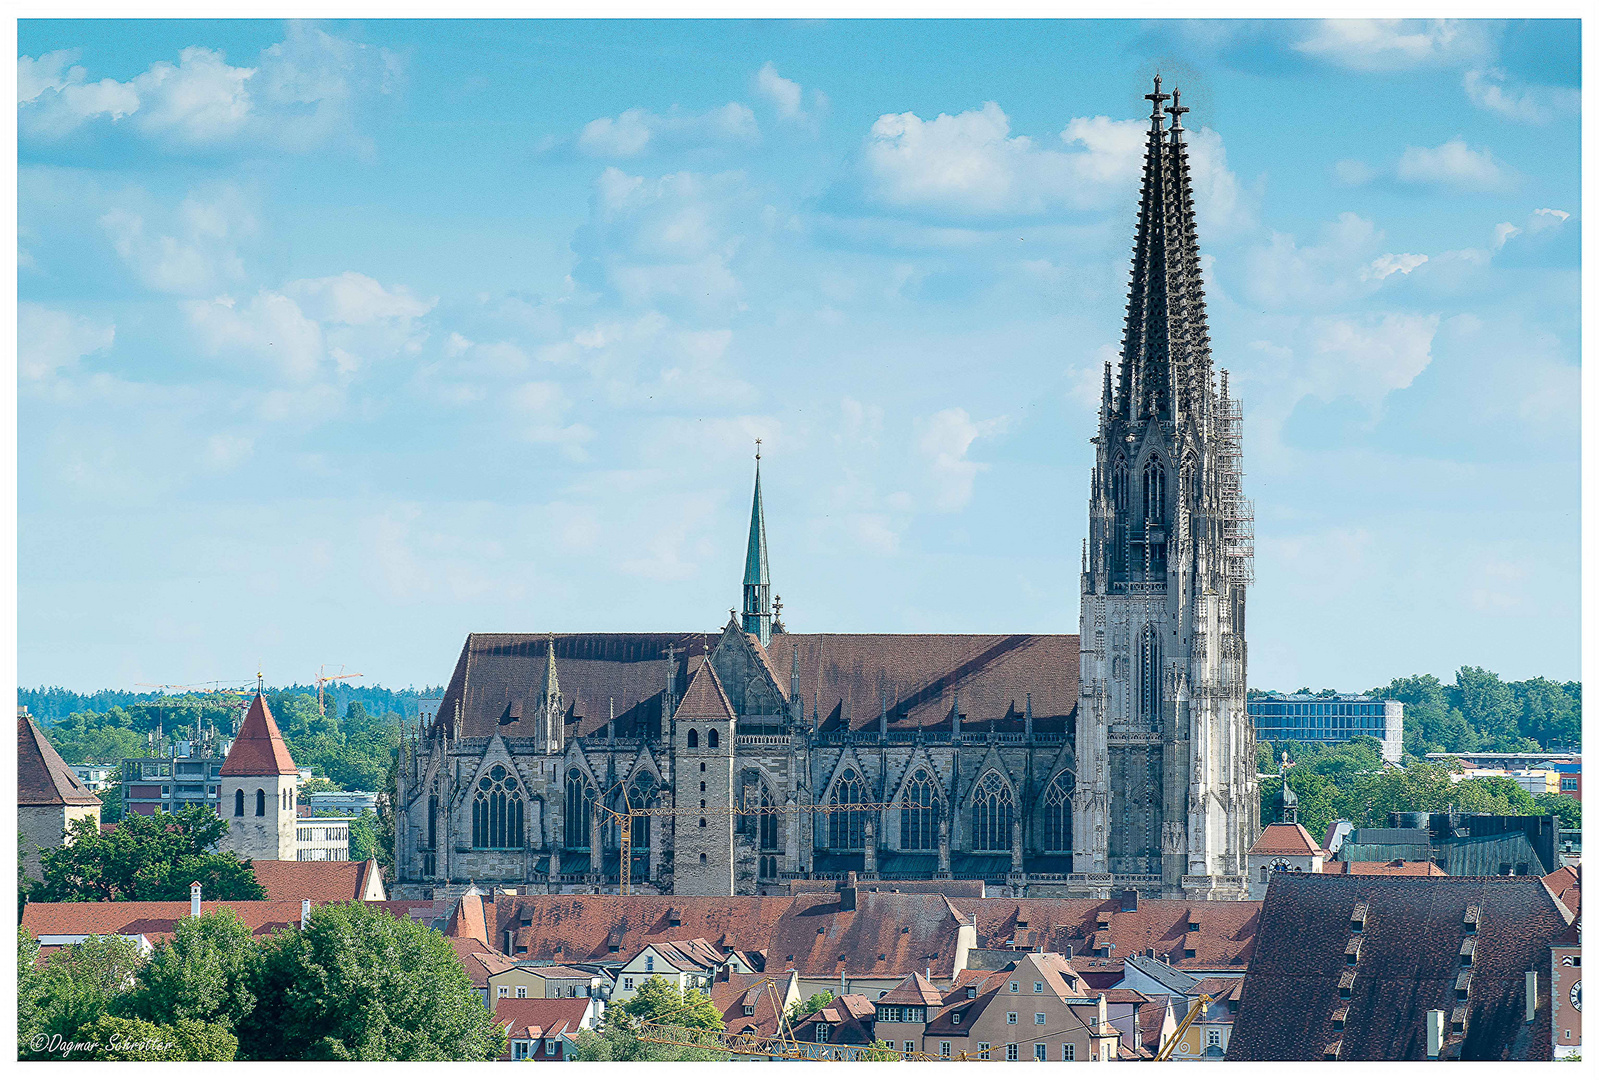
44 828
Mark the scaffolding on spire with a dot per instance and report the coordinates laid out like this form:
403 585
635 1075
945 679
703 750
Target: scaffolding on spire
1237 512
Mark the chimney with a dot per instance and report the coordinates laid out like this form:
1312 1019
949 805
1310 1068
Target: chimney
1532 995
194 899
1435 1034
846 893
305 912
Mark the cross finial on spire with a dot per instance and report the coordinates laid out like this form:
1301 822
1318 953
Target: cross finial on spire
1177 109
1157 97
260 682
757 449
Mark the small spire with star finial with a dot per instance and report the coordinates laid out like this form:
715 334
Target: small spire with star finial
1177 109
1157 97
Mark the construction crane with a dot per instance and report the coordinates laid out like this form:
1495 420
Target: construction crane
624 819
1194 1011
323 678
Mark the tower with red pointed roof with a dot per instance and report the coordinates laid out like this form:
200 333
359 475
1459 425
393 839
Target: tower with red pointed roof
50 797
257 791
703 861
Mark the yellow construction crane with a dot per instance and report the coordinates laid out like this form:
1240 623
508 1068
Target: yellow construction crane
1194 1011
323 678
624 819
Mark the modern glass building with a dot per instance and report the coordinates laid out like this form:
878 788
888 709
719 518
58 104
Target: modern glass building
1339 718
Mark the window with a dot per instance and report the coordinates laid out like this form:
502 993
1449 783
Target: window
1015 987
519 1050
711 739
649 962
918 818
702 766
1010 1018
823 1030
956 1019
260 802
943 1050
693 739
1149 679
846 829
910 1047
627 984
238 803
521 991
992 815
1012 1052
497 810
1188 954
889 1014
1040 1052
1154 491
433 822
579 808
1038 1018
1568 783
982 1051
767 826
1068 1052
1193 926
1213 1038
503 991
1038 988
749 1010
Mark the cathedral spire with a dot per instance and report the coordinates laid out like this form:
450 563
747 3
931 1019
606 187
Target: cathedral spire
757 614
1165 364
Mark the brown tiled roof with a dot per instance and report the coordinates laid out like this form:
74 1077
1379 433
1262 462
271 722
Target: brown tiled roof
498 677
968 1009
540 1018
151 916
731 993
43 779
1413 928
468 920
286 879
1288 838
259 749
915 990
811 933
1391 868
847 1013
705 699
1225 936
479 961
1566 884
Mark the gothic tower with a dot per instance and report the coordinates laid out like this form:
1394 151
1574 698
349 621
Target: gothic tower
703 748
256 791
1166 794
757 610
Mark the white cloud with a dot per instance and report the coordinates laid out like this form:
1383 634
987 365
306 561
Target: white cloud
786 94
201 99
1489 89
638 130
224 452
189 251
1282 273
1545 211
1454 165
537 410
1367 357
1386 265
356 300
1395 44
1502 232
269 329
50 342
946 438
1353 172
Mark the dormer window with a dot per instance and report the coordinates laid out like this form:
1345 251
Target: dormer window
971 992
1193 925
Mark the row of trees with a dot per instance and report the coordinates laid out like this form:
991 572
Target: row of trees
355 984
1349 782
51 704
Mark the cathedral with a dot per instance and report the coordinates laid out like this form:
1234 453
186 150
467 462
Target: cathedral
737 761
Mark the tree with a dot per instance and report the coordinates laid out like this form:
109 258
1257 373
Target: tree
364 836
800 1010
78 986
359 984
659 1001
1568 811
111 799
117 1038
30 986
205 973
690 1016
153 857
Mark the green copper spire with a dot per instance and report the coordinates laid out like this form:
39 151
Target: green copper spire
757 615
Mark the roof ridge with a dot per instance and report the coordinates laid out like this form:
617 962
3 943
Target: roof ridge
259 749
43 777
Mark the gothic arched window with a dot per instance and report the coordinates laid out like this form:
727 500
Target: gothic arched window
433 822
712 739
579 805
693 739
640 795
1154 491
1118 485
1149 682
1057 817
260 803
918 817
768 822
497 810
993 811
1191 481
238 803
846 829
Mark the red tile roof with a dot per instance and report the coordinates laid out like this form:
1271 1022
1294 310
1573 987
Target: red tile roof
848 1014
285 879
43 779
915 990
705 698
259 749
1392 868
1224 939
540 1018
1286 839
151 916
468 920
1566 884
732 993
479 962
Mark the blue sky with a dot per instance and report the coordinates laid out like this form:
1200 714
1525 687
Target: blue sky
339 341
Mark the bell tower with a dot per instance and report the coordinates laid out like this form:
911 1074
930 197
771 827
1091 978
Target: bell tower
1166 796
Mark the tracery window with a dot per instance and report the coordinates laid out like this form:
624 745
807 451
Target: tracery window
433 822
993 811
1149 681
497 810
767 825
640 794
579 806
918 817
846 829
1154 491
1057 817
